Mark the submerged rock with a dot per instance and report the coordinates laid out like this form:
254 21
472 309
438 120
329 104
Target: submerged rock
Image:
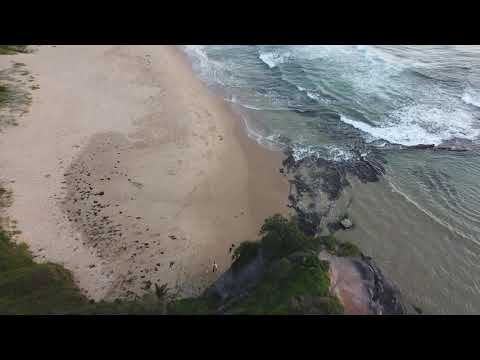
422 146
457 144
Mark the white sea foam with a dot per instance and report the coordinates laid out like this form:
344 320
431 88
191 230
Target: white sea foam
420 124
209 70
471 97
233 99
300 152
338 154
434 119
269 141
329 152
274 58
313 96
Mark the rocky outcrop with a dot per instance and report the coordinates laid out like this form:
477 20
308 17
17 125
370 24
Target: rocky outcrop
319 197
317 186
384 296
236 283
453 144
358 283
362 287
457 144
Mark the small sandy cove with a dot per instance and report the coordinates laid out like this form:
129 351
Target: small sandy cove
128 172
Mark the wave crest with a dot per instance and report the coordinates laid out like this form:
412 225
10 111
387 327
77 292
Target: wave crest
471 97
420 124
273 58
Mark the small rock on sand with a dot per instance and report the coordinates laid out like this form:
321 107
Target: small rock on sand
346 223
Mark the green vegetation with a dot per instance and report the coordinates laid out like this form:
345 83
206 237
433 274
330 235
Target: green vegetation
346 249
191 306
13 49
28 288
295 281
329 243
292 287
281 237
3 94
335 247
245 253
14 96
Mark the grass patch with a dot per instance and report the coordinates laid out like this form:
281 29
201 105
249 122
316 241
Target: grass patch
13 49
14 97
3 94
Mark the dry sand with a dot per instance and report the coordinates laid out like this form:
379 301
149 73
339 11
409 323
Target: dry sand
129 172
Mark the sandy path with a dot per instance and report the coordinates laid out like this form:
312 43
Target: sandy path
128 172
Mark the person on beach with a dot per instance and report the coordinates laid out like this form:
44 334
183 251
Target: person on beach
215 266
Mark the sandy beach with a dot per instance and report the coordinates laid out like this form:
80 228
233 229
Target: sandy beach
130 173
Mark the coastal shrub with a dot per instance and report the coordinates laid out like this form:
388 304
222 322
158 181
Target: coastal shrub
245 253
190 306
274 294
13 255
293 272
147 305
329 242
335 247
30 288
333 306
281 237
347 249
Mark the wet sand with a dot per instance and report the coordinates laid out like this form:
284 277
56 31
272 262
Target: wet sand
129 172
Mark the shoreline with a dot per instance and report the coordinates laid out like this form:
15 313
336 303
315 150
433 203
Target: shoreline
172 153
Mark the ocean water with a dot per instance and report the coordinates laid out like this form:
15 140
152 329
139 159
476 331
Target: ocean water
422 221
